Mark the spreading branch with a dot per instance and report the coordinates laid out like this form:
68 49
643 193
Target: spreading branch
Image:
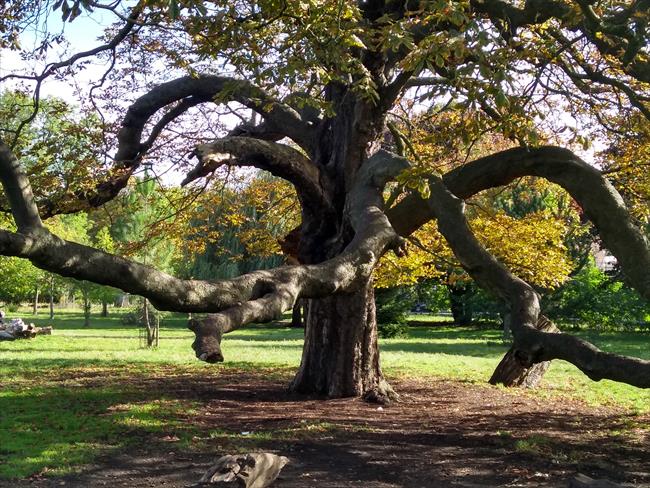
531 345
257 296
600 201
182 94
279 159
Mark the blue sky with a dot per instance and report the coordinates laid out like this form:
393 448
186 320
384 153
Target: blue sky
81 34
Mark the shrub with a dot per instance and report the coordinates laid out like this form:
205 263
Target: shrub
394 304
594 299
388 331
433 295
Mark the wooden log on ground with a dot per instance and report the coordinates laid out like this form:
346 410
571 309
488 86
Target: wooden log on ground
510 371
17 329
256 470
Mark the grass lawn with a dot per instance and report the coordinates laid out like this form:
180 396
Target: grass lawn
67 397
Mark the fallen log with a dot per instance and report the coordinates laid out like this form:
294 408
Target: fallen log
17 329
256 470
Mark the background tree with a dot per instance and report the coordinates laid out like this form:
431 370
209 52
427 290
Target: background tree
20 282
323 77
518 224
236 230
78 228
141 230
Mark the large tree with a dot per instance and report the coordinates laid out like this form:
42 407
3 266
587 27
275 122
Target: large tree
325 79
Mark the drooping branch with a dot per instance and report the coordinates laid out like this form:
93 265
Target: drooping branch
531 345
600 201
206 88
18 191
185 92
279 159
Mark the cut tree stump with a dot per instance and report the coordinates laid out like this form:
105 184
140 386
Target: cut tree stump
583 481
256 470
510 371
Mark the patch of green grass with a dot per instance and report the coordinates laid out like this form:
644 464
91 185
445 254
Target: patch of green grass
57 429
242 441
534 444
54 416
300 431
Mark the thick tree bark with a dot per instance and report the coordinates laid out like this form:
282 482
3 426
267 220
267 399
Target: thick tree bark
341 356
510 371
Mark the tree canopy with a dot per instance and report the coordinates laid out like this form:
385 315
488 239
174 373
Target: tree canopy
317 93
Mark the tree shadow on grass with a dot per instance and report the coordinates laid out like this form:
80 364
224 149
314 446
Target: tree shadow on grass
441 434
459 348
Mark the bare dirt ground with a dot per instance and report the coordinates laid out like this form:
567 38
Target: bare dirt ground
441 434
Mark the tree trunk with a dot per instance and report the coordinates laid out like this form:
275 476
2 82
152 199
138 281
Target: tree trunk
340 356
298 314
37 292
460 306
87 306
510 372
51 297
146 319
151 324
104 308
122 301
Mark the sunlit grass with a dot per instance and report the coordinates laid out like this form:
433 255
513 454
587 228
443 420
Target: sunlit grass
54 417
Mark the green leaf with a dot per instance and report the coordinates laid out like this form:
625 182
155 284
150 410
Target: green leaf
423 189
501 99
355 41
174 9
